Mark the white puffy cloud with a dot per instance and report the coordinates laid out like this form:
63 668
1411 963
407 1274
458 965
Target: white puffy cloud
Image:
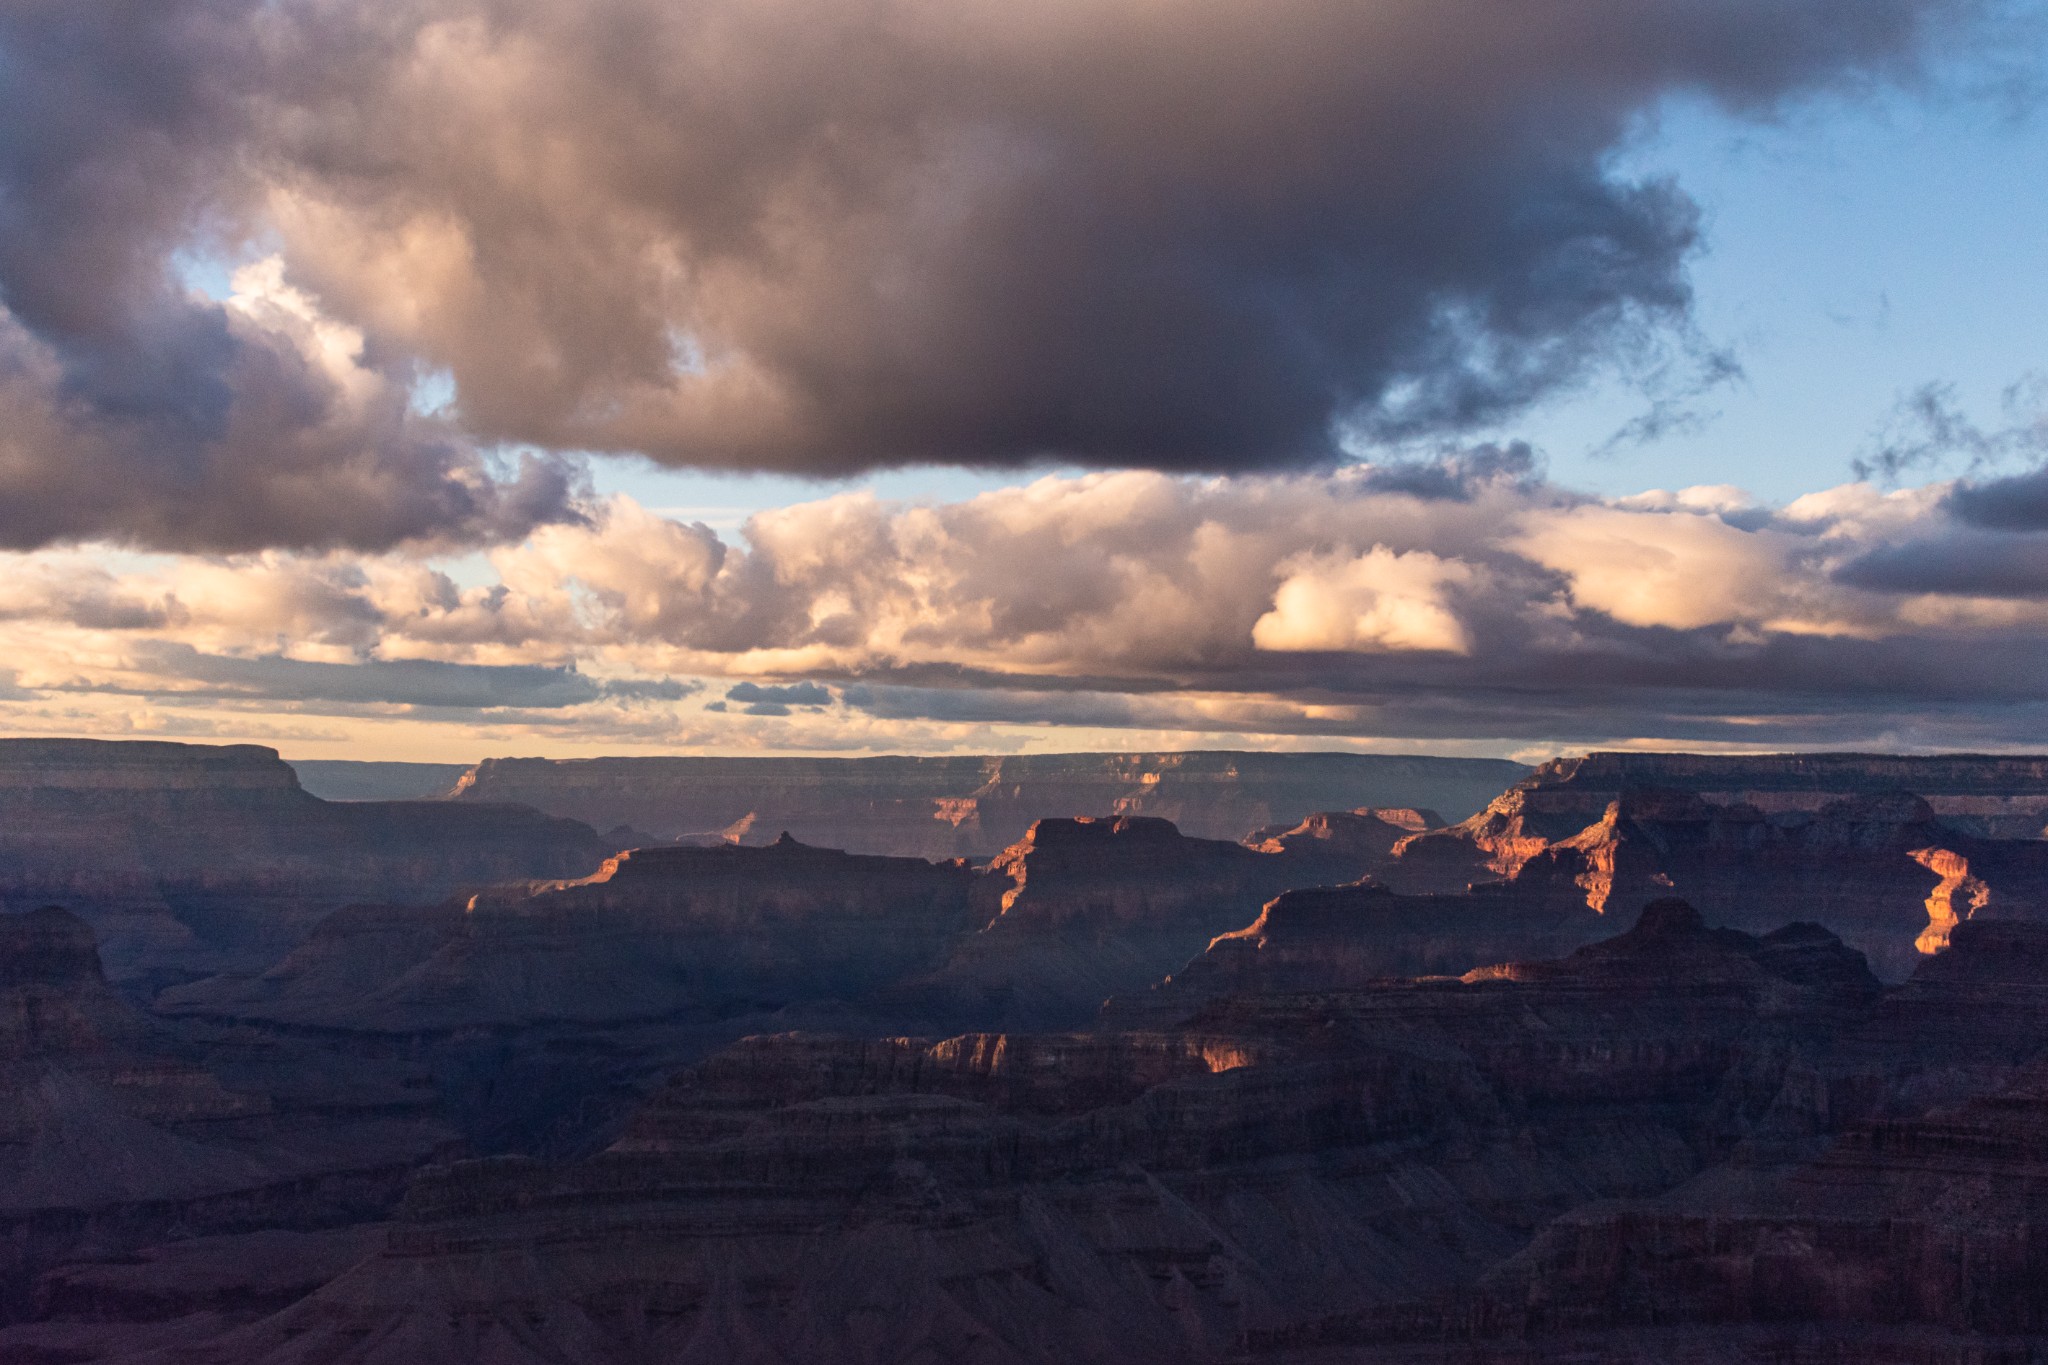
1646 566
1375 601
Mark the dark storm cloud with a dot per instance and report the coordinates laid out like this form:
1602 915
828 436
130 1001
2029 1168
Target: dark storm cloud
754 696
133 409
2018 502
395 682
1971 563
1457 475
821 236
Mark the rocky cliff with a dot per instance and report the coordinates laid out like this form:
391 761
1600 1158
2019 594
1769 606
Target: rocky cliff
698 932
1349 937
1993 796
1084 909
1884 868
112 1132
970 806
1881 870
781 1103
1282 1169
1073 913
191 858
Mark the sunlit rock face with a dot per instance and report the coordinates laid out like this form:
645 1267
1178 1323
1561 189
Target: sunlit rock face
1080 910
190 859
1073 913
1350 937
969 806
1757 842
1992 796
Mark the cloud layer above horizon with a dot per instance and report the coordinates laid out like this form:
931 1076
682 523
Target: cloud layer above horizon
1465 604
319 322
453 242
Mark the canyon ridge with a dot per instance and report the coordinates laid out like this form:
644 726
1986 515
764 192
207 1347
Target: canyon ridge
1160 1057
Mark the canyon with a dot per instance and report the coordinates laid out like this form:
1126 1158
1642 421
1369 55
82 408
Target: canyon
192 859
972 806
1642 1057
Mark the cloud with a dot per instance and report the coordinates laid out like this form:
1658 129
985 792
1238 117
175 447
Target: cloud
817 236
777 701
388 682
1928 427
1961 562
2018 502
1375 601
796 694
1679 569
1418 606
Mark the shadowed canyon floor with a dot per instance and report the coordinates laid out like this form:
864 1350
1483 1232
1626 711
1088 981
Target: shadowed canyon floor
1718 1060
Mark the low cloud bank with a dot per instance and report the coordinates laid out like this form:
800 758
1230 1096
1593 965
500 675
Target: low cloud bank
1479 603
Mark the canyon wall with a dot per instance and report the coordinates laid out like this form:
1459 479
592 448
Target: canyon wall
1119 1093
190 859
1412 1170
1995 796
967 806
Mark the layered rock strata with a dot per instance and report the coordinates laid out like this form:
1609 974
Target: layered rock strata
1883 869
657 932
111 1133
189 859
1084 909
973 806
1349 937
1972 795
1282 1166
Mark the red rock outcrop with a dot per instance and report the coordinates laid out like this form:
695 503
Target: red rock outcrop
973 806
1971 796
1084 909
1883 869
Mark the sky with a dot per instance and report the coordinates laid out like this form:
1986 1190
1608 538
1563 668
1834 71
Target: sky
437 379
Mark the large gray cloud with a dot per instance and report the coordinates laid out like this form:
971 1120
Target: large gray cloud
134 409
817 235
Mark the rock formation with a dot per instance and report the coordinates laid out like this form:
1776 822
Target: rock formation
1083 909
345 779
779 1103
1985 795
1881 867
1349 937
111 1132
1285 1170
971 806
190 859
698 932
